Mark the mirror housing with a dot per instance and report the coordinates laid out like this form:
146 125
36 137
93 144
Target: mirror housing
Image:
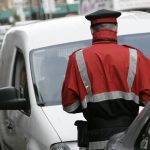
9 100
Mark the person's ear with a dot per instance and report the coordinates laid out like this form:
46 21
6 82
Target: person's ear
115 28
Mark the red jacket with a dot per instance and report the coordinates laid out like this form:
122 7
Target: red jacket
107 67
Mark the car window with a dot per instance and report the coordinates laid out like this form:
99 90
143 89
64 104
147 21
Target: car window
20 77
143 140
139 41
48 66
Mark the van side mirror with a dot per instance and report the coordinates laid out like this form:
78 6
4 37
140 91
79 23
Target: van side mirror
9 100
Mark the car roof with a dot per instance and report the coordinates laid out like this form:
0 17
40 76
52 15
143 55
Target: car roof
20 23
52 32
134 22
74 28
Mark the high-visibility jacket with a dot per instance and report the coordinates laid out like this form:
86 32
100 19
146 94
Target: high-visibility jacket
112 72
110 81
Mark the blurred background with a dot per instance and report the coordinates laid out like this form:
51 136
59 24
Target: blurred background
12 11
20 12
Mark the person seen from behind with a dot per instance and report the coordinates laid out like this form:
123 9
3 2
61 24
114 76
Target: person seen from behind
106 81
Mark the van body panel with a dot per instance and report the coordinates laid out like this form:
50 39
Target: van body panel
41 129
133 22
51 32
65 128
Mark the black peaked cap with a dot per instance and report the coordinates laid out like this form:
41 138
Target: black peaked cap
103 13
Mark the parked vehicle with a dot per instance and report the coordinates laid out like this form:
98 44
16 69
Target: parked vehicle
137 137
3 30
32 65
33 61
21 23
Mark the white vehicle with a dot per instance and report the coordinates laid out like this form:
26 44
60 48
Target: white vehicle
21 23
32 65
3 30
33 62
137 137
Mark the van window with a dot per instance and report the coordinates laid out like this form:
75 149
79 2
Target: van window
48 66
20 78
140 41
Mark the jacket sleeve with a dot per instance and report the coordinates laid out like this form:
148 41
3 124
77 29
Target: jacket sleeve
70 93
143 72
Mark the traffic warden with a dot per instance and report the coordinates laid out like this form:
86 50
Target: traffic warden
106 81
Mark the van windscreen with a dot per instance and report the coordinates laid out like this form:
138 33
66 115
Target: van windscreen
140 41
48 66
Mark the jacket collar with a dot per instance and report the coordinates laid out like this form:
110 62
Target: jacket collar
105 35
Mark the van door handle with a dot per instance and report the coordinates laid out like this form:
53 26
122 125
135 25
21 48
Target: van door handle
9 124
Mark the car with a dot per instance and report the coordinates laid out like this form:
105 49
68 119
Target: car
136 137
3 30
33 61
20 23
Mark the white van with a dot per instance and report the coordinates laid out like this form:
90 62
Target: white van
3 30
32 65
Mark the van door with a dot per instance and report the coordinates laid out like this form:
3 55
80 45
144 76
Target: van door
18 120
